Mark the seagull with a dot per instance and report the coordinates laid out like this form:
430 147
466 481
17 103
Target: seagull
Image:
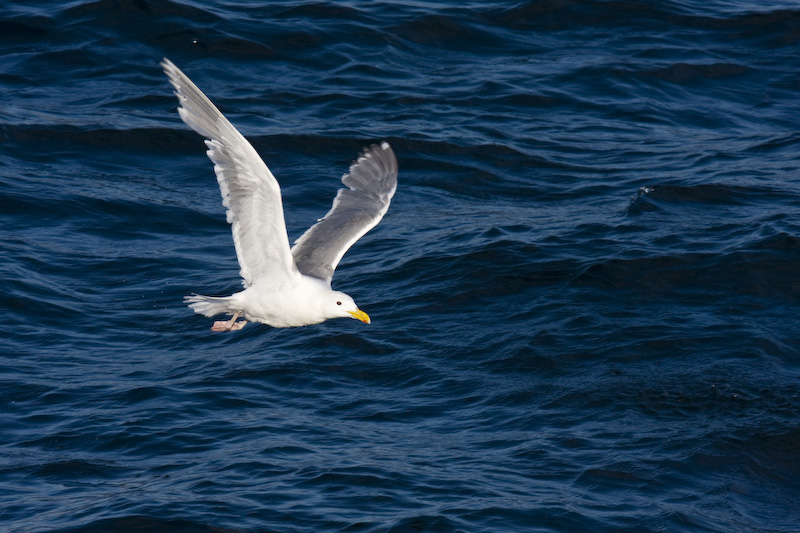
283 286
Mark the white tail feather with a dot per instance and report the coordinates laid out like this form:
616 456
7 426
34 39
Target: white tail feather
209 305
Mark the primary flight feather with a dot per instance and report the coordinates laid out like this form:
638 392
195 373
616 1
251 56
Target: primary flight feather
284 286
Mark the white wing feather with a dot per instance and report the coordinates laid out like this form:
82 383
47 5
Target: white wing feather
250 192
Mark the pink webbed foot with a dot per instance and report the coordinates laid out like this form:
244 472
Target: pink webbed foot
229 325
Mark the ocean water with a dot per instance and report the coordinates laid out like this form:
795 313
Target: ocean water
585 295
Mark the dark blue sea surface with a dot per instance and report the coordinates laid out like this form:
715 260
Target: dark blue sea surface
585 295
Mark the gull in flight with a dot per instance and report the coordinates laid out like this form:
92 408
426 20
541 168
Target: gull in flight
283 286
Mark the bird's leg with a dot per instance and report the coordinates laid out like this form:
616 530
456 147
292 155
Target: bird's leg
229 325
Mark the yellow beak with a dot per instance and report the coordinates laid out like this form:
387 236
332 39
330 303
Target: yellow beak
361 315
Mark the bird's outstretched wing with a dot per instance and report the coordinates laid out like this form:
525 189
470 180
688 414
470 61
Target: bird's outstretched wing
250 192
371 183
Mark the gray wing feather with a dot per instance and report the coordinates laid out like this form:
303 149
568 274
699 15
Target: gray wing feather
371 182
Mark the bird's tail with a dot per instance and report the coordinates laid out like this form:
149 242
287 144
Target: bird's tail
209 305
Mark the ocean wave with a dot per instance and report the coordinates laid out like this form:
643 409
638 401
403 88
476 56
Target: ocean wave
594 238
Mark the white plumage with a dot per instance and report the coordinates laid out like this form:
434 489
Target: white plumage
284 286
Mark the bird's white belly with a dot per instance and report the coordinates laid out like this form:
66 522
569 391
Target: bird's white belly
280 306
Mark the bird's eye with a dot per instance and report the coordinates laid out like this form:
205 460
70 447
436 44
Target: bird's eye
338 303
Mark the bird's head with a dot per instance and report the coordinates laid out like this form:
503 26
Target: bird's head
340 304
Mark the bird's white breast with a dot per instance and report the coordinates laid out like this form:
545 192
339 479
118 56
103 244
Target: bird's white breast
285 305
